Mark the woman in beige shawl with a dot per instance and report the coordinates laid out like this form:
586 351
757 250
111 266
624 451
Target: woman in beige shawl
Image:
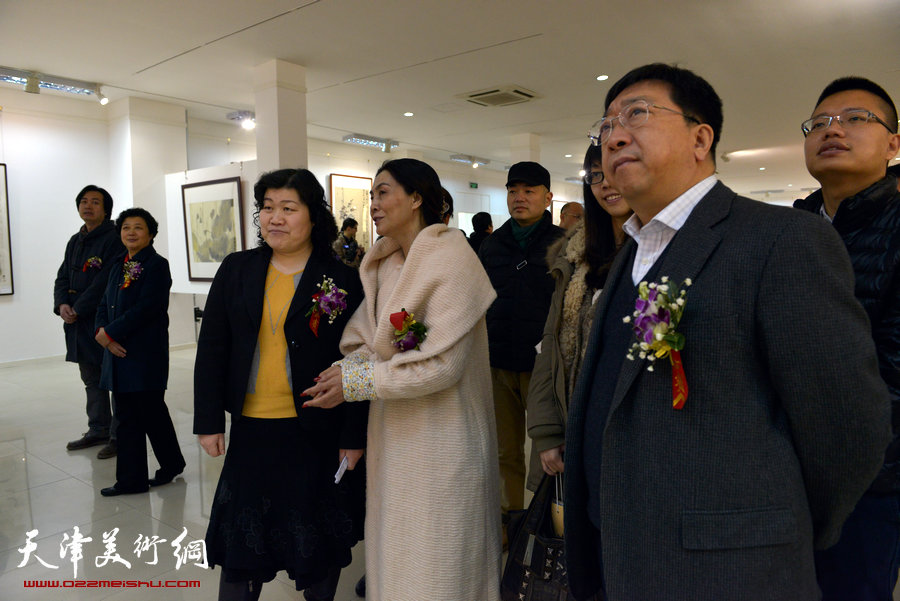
432 525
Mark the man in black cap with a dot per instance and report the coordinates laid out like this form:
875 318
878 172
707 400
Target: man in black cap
514 257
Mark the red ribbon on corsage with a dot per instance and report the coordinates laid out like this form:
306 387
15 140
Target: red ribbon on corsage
679 381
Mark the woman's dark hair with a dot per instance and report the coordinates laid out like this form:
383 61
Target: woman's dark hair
349 222
448 200
107 199
152 224
418 177
599 238
308 188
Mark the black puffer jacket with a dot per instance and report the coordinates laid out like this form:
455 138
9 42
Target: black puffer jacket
869 224
524 286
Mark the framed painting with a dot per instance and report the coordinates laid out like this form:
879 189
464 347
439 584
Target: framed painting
213 225
350 198
6 274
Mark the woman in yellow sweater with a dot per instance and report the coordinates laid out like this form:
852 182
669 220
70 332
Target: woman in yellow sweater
272 322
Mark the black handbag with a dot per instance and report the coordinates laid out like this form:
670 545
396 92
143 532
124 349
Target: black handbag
536 566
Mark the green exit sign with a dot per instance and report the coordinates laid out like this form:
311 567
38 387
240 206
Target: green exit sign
473 185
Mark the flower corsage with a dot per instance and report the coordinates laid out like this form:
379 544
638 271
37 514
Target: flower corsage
408 333
657 312
329 300
92 263
132 271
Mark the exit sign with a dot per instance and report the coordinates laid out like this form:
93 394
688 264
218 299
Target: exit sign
473 185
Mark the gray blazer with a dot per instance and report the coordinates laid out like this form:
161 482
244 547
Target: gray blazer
785 424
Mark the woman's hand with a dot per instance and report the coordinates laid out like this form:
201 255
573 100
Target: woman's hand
352 455
213 444
111 345
552 460
328 392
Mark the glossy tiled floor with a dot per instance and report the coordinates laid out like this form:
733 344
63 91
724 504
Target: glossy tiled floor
45 487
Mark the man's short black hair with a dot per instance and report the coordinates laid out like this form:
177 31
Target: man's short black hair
844 84
481 222
348 222
107 199
693 94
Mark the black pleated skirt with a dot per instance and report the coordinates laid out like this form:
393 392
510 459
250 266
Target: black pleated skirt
277 507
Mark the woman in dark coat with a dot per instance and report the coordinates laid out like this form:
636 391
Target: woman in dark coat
272 322
133 326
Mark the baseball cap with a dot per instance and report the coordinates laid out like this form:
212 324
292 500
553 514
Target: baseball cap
528 173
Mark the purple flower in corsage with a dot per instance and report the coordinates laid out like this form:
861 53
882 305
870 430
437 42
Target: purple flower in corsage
329 301
92 263
657 312
131 270
408 333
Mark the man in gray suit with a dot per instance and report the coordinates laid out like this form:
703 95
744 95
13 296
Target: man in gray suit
785 421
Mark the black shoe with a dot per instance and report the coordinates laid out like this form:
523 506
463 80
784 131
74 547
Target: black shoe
161 477
86 440
115 490
360 589
110 450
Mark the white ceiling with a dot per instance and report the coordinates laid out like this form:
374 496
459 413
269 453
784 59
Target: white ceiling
369 61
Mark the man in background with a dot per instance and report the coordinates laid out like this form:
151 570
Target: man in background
482 226
514 257
570 215
91 254
345 245
849 139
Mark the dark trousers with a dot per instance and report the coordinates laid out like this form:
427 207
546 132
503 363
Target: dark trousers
863 565
101 419
144 415
249 590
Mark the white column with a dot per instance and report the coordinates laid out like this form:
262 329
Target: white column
280 89
524 147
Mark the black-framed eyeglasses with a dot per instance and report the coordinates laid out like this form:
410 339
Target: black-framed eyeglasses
847 119
593 177
632 116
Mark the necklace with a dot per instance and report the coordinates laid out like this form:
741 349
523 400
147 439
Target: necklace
273 325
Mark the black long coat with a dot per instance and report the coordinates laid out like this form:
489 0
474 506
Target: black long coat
228 337
81 287
137 317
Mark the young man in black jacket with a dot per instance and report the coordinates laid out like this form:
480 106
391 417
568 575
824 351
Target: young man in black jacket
91 254
514 257
850 138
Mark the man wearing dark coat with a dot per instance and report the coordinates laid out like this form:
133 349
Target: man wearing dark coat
515 258
714 473
849 140
90 256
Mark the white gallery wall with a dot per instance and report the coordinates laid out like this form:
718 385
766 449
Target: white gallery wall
142 152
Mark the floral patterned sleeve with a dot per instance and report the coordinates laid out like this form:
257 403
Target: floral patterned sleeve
358 377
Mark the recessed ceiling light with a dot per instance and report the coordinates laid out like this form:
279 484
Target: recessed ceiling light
407 114
762 168
602 77
568 156
790 185
582 172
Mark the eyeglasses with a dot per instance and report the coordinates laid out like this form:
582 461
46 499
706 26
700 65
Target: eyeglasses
593 177
634 116
848 119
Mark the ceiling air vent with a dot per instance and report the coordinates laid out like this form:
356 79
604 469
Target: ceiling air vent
500 96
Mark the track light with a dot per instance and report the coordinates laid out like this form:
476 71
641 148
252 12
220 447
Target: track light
247 119
469 160
101 97
383 144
